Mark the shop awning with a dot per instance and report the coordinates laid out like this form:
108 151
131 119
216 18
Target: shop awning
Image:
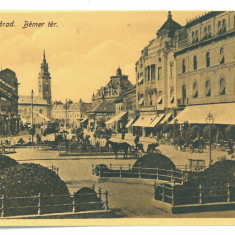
144 120
141 101
85 119
130 122
222 113
166 118
156 120
116 118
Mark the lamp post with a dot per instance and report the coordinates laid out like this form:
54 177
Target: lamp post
32 129
66 114
210 120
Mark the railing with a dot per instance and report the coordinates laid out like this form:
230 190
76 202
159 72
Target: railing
49 204
3 149
178 195
126 171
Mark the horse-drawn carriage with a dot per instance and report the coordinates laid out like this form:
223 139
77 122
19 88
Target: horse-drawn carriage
192 145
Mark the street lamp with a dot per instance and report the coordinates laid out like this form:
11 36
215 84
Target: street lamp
32 129
66 114
210 121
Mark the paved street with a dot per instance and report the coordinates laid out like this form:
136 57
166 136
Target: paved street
125 199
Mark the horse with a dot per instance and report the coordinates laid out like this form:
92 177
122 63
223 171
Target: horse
151 147
118 146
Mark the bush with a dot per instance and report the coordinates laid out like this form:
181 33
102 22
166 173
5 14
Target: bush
86 200
24 180
6 161
155 160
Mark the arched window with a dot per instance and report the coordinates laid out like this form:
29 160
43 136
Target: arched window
183 66
209 31
224 26
196 36
193 37
40 110
195 62
208 60
222 86
195 90
219 27
205 33
208 88
221 55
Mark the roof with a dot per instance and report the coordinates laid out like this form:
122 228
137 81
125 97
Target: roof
169 25
36 100
223 113
203 18
103 107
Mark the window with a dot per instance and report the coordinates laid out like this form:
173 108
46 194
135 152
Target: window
222 86
153 72
46 88
150 99
40 110
205 33
193 37
196 36
183 66
219 27
195 90
221 55
208 88
171 69
171 95
208 62
195 62
209 31
224 26
159 73
148 68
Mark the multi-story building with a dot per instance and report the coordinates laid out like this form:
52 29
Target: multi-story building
125 114
42 104
187 66
155 79
76 112
9 119
205 68
103 100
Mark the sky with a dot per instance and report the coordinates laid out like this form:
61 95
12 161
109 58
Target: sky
83 51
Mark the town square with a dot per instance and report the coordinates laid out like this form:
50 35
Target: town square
92 131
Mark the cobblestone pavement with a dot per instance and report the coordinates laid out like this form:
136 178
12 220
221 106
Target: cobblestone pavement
125 199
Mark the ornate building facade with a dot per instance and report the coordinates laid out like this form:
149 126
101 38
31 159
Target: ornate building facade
186 66
9 119
42 105
103 105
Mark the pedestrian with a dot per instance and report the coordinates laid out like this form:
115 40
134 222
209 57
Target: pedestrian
123 133
136 141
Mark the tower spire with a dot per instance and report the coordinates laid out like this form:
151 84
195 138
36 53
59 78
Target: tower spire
169 15
44 56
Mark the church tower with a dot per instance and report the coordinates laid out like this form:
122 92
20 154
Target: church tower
44 81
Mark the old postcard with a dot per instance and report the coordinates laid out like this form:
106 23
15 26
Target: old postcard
117 118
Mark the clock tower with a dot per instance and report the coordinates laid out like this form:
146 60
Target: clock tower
44 81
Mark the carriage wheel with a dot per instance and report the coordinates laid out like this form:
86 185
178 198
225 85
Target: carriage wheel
191 149
200 149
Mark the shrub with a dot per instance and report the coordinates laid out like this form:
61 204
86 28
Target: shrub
6 161
24 180
86 200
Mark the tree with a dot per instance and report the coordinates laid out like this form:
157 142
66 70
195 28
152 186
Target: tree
213 132
230 132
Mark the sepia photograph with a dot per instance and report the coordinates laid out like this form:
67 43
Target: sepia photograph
113 115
